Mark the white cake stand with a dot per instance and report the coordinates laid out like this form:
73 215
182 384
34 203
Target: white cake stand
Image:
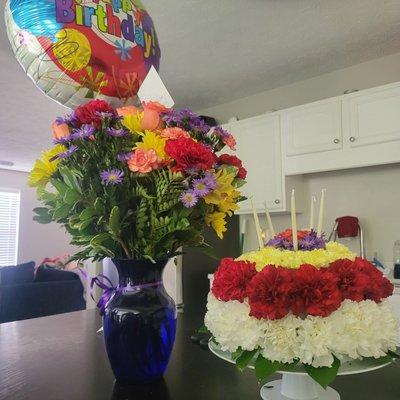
297 385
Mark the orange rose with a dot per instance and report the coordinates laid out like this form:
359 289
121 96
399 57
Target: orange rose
128 110
143 161
60 130
174 133
156 106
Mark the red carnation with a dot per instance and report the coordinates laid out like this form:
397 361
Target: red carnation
189 155
90 113
269 293
352 282
315 292
234 161
231 279
379 287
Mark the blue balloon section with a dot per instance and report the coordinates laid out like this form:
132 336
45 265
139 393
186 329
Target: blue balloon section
37 17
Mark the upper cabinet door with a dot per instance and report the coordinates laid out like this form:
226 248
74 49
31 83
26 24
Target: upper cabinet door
372 116
313 127
258 146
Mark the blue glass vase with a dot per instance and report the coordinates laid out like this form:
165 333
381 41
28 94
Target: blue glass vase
139 323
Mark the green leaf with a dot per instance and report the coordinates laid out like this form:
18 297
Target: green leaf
43 219
393 354
87 213
245 358
84 224
100 238
70 178
114 221
71 196
60 186
236 354
324 375
98 206
62 211
265 367
203 330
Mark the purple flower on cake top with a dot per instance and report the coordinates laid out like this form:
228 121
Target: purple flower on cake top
307 240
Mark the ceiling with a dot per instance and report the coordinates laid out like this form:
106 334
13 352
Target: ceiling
214 51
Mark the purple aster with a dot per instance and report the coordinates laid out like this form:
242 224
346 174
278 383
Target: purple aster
69 119
111 177
105 114
186 119
189 198
124 157
210 180
64 140
114 132
200 187
218 130
66 154
84 132
307 243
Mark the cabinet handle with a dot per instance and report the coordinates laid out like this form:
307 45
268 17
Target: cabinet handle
336 141
352 139
277 201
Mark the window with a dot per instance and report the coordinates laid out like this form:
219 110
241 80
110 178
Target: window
9 219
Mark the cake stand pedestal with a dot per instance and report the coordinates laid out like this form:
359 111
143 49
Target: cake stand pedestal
297 385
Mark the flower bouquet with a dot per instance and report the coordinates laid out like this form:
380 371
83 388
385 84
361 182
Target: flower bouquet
137 184
308 311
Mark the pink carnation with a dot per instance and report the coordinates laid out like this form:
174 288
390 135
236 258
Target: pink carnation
143 161
174 133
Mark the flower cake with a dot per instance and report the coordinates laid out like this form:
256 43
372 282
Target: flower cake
317 306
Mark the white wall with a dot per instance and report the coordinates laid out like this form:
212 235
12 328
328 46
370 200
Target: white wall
36 241
373 194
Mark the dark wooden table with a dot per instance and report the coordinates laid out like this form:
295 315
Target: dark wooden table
62 358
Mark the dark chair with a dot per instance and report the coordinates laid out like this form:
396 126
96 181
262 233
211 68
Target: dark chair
24 295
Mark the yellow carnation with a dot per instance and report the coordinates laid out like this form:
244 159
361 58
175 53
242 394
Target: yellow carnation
45 167
133 122
152 140
319 258
218 223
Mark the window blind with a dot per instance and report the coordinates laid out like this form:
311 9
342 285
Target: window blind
9 220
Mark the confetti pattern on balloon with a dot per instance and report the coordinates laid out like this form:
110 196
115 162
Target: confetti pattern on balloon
74 50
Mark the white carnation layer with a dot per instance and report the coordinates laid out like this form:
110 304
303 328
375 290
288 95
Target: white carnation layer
355 330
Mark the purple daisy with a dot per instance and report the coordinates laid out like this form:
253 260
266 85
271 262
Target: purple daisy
84 132
187 120
189 198
64 140
219 131
114 132
69 119
66 154
210 180
124 157
111 177
105 114
200 187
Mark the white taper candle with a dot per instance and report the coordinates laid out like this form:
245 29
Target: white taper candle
269 221
258 226
321 212
294 221
313 200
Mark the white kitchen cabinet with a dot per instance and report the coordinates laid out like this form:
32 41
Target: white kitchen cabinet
313 127
259 147
372 116
364 133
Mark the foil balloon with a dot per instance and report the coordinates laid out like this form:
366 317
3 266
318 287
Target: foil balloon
76 50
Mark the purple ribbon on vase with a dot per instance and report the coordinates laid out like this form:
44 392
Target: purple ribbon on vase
109 291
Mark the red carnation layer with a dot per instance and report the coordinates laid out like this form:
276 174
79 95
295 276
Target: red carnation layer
232 278
276 291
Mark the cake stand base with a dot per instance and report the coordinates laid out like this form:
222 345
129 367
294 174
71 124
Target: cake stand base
297 387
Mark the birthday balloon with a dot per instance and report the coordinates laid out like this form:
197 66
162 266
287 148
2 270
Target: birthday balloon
76 50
